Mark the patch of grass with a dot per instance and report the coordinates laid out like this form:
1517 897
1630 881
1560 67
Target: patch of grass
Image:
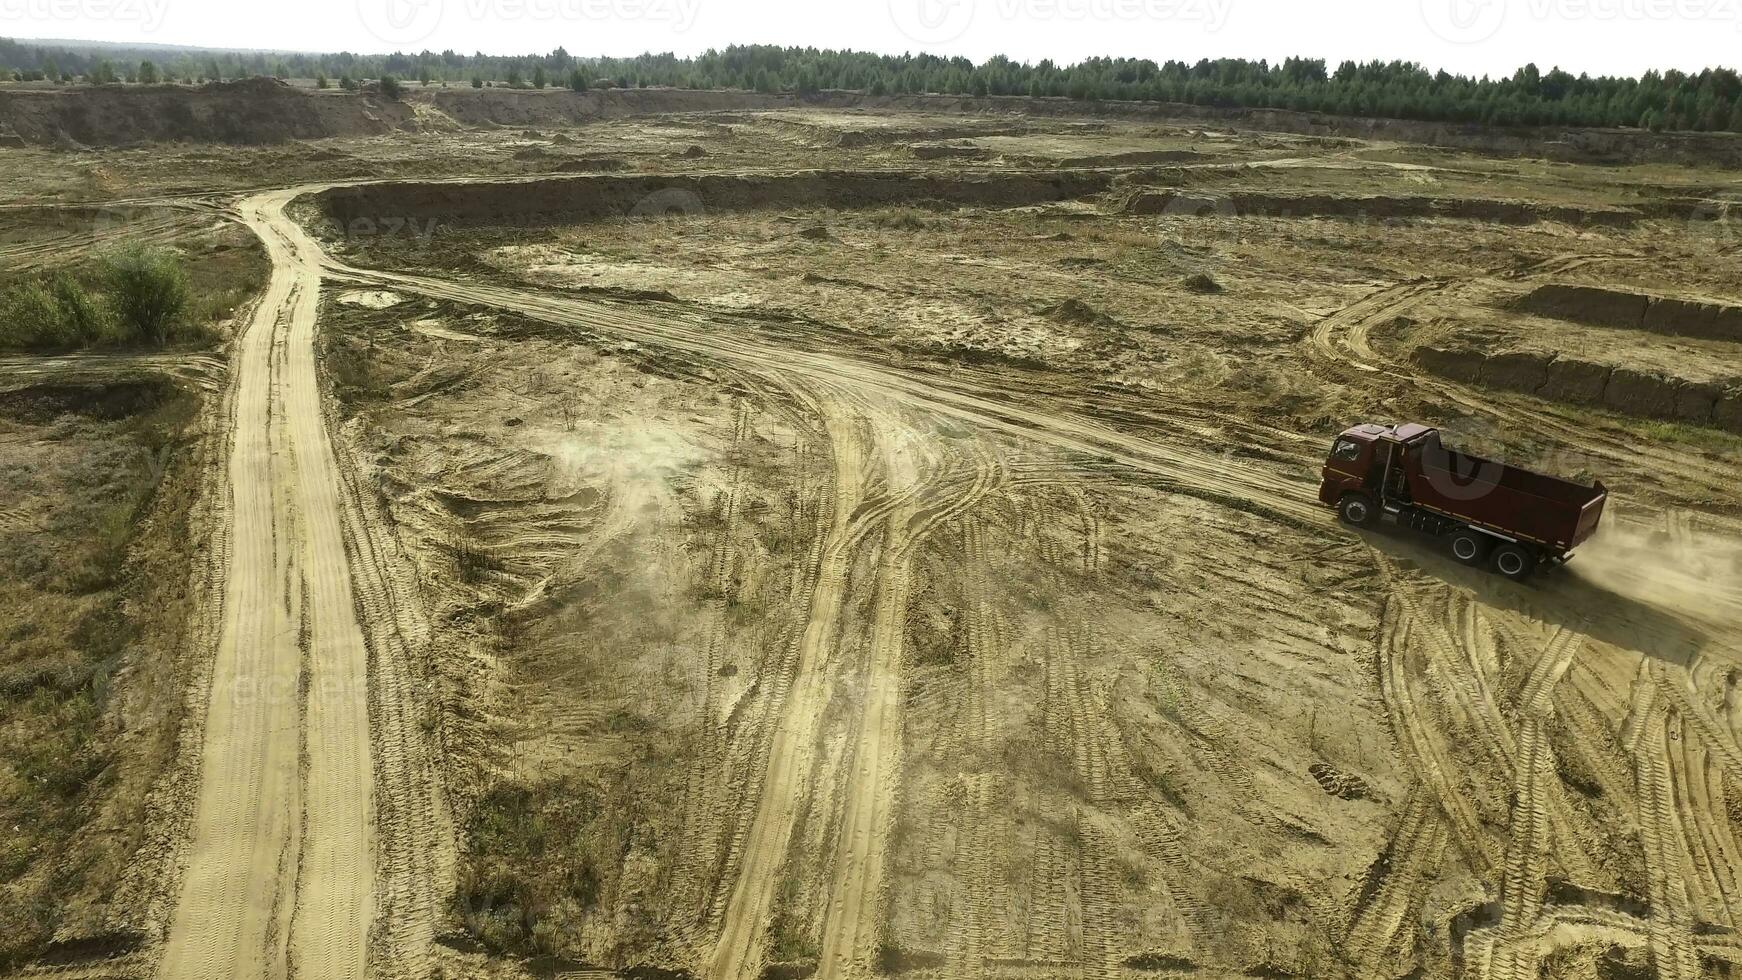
788 939
1681 433
540 858
135 296
93 605
903 219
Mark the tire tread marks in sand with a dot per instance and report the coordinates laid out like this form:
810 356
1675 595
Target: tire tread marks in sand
785 775
259 796
1418 736
1381 929
1670 925
922 504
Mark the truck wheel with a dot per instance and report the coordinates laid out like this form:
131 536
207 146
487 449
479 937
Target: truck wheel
1357 510
1470 547
1514 562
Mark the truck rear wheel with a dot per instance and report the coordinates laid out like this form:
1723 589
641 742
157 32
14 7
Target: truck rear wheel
1469 547
1357 510
1514 562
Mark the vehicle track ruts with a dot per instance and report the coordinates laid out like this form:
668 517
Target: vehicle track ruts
705 821
849 926
1349 327
1417 736
749 892
272 821
1527 852
1382 922
873 758
1670 925
1199 471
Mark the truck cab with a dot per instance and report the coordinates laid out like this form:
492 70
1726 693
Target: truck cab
1489 513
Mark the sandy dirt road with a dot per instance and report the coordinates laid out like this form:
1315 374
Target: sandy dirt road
293 865
279 872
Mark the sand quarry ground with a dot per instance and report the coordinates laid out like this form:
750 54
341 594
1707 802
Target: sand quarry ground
814 542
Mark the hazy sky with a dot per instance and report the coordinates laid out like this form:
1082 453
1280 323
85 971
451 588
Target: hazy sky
1469 36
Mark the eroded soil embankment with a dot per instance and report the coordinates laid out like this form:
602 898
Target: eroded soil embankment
1369 206
591 196
266 111
1600 307
1566 379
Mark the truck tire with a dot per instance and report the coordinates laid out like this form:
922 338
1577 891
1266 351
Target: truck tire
1357 510
1514 562
1469 547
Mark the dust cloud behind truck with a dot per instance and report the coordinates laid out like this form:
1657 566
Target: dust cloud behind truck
1488 513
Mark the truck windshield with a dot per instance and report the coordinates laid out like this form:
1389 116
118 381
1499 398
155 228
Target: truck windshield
1346 449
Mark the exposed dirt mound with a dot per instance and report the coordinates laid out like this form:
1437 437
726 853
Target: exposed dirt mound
1605 146
562 107
948 151
1239 204
1623 389
256 110
39 404
1601 307
580 198
1077 313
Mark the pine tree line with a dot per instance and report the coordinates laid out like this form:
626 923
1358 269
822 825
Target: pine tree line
1708 101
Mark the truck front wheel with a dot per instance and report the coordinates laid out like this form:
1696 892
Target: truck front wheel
1357 510
1469 547
1514 562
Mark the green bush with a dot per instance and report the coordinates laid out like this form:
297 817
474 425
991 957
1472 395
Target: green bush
148 292
50 315
30 319
390 86
81 313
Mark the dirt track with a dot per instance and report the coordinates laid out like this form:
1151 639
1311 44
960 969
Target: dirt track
931 667
279 872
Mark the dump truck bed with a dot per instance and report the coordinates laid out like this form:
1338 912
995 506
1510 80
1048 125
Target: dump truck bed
1557 514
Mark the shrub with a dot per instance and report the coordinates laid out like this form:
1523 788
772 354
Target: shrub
477 81
321 82
390 86
148 291
1201 283
81 314
30 319
578 80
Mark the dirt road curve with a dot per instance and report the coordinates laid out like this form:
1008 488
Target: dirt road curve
319 845
279 873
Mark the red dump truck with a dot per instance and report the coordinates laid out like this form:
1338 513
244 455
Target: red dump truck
1489 514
